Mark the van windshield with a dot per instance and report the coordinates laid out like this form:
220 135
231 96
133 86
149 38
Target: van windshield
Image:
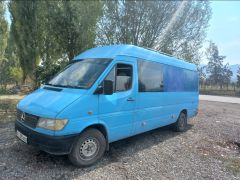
80 74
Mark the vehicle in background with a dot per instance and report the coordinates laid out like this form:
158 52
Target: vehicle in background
106 94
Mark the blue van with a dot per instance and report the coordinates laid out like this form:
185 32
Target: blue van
106 94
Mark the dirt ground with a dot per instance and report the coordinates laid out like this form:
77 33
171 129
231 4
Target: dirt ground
210 149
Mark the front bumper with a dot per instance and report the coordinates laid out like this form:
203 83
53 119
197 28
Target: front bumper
52 144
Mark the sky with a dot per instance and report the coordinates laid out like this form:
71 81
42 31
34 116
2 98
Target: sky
224 29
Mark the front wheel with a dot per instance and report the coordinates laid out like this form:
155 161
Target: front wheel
181 124
88 149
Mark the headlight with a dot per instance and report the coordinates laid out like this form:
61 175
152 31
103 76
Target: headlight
52 124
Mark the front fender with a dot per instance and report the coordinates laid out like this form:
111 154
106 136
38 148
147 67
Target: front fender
77 125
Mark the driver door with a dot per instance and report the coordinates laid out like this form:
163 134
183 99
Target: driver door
117 110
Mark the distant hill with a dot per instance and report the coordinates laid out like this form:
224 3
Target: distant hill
233 68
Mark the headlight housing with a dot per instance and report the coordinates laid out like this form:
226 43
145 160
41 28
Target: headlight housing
52 124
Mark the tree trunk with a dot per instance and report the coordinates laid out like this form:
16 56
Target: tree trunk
34 81
24 77
5 86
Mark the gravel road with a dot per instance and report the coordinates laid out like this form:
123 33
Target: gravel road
210 149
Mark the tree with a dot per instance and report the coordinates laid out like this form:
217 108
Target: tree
25 31
51 32
227 74
202 75
3 45
79 20
14 71
52 54
238 76
215 64
3 32
60 44
219 74
174 27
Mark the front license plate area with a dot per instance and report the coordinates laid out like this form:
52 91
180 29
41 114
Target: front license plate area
21 136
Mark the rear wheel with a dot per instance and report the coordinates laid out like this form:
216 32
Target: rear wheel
181 124
88 149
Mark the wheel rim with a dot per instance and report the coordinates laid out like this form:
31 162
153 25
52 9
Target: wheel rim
89 148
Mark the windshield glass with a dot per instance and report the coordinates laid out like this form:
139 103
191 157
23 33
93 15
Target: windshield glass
80 74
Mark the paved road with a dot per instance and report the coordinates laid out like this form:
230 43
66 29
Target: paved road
11 97
220 99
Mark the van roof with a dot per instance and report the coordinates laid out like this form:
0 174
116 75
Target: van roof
112 51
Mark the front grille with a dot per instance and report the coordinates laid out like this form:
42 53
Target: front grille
26 118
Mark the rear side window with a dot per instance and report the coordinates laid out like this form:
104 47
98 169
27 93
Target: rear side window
150 76
157 77
121 75
179 79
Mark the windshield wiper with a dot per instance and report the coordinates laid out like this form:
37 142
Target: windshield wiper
77 87
66 86
49 84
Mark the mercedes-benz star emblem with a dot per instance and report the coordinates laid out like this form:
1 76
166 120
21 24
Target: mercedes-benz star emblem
23 116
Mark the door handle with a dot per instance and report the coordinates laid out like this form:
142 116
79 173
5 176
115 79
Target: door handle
130 99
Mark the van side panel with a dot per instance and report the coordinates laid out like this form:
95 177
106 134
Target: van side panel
180 92
162 108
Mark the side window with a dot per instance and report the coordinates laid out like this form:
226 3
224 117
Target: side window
179 80
121 75
150 76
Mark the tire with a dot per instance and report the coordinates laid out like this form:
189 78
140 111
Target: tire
88 148
181 124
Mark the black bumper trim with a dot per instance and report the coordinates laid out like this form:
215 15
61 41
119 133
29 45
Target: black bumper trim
52 144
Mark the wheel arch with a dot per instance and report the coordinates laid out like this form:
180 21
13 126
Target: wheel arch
102 129
184 111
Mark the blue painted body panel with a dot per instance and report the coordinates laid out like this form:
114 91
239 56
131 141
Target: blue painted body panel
120 117
115 111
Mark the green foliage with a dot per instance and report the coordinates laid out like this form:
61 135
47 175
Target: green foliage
219 74
14 69
227 74
202 75
3 33
68 29
174 27
4 78
4 74
238 77
48 31
45 74
16 74
79 20
25 32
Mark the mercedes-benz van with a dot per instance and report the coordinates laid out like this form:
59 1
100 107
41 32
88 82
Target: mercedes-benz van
106 94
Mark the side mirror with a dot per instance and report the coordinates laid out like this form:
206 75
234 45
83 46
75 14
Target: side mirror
99 90
107 87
